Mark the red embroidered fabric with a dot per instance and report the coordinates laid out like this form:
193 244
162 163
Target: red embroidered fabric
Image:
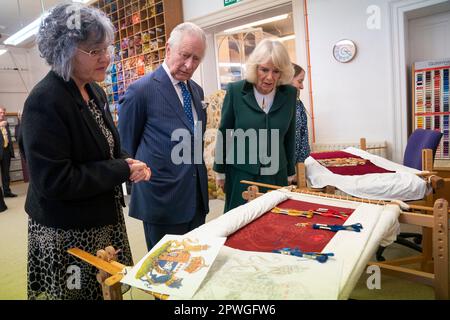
357 170
273 231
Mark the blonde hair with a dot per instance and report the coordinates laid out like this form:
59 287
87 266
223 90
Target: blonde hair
274 51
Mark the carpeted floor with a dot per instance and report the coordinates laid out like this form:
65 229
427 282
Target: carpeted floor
13 248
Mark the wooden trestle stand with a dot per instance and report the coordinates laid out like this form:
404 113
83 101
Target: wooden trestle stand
111 271
423 206
427 173
435 257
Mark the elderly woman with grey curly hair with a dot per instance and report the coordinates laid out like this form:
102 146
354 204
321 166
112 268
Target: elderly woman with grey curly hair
75 161
257 125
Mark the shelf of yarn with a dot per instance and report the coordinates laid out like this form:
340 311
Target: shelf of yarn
141 30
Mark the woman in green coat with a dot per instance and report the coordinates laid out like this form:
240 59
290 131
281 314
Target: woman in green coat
256 138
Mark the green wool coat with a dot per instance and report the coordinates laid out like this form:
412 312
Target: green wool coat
251 153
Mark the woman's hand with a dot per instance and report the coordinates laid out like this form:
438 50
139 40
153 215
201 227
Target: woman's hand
139 171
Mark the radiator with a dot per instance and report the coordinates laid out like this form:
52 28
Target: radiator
381 151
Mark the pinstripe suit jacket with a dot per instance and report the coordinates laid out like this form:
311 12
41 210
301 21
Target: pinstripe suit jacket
150 112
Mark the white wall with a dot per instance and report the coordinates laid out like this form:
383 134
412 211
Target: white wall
38 65
363 98
197 8
14 84
13 90
366 97
351 100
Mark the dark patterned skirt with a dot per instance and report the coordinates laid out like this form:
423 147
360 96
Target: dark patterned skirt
55 274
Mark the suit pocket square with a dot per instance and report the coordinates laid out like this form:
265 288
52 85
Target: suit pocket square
204 105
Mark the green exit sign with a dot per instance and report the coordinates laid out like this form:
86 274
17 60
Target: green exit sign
229 2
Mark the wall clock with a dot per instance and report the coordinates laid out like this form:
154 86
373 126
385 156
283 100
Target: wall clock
344 50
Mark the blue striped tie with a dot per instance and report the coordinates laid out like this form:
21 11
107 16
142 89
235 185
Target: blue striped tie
187 105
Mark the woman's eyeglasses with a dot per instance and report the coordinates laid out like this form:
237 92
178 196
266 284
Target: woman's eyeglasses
95 53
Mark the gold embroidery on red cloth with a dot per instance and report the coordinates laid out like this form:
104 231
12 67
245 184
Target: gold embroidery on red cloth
342 162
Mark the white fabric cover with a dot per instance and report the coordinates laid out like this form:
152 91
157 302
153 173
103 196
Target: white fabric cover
238 217
238 274
403 185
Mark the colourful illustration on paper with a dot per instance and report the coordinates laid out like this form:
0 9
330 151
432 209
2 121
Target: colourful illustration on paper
163 265
175 266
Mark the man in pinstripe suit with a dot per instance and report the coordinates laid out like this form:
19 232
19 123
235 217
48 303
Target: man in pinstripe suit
157 116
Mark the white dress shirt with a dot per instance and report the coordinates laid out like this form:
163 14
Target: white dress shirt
178 91
264 101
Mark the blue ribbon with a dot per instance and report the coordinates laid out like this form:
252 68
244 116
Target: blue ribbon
335 227
318 256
